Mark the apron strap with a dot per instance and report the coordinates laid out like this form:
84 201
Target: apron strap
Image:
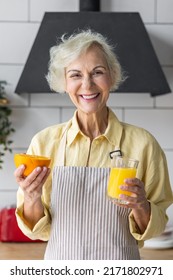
62 145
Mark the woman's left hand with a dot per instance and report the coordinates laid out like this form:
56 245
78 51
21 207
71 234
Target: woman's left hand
138 202
137 199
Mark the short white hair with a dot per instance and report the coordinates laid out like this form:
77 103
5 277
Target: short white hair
70 48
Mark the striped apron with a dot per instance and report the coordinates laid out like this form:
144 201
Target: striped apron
85 224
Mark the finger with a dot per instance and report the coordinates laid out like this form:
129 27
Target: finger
134 181
125 203
18 173
134 201
46 176
131 188
41 178
35 177
37 183
129 202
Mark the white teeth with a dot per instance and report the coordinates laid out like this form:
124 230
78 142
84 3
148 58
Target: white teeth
89 96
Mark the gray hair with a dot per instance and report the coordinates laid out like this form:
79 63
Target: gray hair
70 48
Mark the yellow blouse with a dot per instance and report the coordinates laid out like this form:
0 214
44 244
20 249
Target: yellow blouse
80 151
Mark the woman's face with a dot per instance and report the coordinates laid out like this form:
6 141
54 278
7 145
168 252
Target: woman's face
88 81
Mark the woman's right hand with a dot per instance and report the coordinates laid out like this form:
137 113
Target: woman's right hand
33 183
33 209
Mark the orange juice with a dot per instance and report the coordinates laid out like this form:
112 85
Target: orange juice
116 178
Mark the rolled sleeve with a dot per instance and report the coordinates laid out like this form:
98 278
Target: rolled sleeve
155 227
41 229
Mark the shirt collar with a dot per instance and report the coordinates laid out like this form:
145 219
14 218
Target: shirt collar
112 133
114 129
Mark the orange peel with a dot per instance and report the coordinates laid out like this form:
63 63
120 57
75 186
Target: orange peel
30 162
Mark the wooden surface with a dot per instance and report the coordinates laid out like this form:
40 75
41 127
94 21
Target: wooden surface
35 251
22 251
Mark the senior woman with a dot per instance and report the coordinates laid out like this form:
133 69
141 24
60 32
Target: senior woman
69 207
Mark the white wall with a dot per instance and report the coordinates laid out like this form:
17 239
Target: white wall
19 23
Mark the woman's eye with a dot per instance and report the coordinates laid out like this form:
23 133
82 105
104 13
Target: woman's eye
95 73
75 76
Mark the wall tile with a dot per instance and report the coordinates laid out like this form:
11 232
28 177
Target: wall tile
67 114
7 199
145 8
118 113
15 47
167 99
158 122
11 74
12 10
161 36
18 100
164 11
130 100
51 99
39 7
170 216
28 121
7 178
169 156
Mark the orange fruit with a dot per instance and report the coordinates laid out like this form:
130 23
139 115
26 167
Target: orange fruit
30 162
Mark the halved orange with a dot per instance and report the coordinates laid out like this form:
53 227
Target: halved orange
30 162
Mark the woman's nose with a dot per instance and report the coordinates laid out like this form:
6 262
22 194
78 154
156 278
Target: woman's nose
87 82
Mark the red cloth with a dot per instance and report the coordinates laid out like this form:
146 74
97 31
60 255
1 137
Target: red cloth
9 230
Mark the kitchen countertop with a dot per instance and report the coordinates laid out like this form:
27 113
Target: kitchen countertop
35 251
22 251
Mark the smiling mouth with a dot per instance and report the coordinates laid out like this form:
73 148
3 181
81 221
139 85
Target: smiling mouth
89 97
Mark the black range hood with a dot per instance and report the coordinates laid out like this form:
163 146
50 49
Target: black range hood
124 30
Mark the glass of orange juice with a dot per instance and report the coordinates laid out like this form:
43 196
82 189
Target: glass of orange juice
122 168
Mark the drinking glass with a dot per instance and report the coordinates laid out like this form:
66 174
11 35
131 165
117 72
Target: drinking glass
122 168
